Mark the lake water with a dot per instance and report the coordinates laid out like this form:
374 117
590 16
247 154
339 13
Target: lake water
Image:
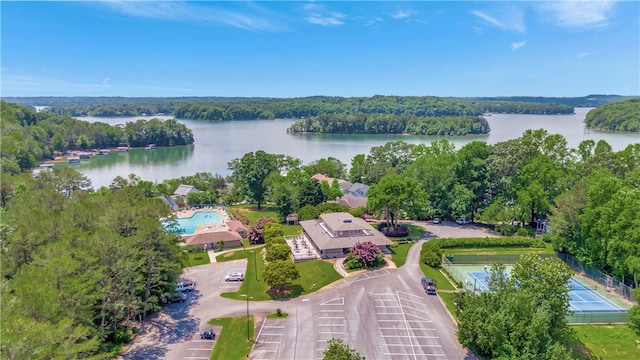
218 142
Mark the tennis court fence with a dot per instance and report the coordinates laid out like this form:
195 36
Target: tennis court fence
604 280
601 278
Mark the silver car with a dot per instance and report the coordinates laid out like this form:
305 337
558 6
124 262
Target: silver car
234 276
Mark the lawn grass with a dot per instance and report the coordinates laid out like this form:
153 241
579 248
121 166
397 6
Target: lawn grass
399 253
605 342
447 299
197 258
232 342
442 283
316 272
274 315
252 212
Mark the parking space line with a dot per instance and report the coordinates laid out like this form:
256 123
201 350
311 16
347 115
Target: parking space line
412 308
391 306
332 324
274 326
331 332
326 310
270 342
383 294
331 317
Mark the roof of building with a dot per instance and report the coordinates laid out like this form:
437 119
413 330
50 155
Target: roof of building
322 177
170 201
213 237
184 190
322 231
352 201
236 225
344 185
358 188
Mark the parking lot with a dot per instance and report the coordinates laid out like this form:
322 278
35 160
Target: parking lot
384 314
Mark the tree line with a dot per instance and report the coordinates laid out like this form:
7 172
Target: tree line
360 123
29 137
512 184
420 106
80 268
619 116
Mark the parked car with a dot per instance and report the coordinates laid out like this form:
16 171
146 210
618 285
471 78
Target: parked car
463 221
208 334
429 285
185 286
177 297
436 220
234 276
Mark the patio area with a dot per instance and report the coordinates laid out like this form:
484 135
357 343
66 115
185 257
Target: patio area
301 249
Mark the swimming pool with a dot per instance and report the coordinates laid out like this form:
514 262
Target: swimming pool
188 226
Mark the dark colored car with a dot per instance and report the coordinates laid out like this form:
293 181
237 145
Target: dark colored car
208 334
177 297
429 286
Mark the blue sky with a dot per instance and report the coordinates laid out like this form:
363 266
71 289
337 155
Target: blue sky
304 48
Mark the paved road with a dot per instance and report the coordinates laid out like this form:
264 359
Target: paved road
384 314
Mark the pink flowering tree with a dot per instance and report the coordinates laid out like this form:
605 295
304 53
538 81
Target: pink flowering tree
368 252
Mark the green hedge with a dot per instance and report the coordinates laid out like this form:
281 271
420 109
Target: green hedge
511 241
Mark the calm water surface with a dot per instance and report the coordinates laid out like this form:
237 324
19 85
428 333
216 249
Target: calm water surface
218 142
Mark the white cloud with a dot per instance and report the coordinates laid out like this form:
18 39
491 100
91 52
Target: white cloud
510 19
518 45
401 14
192 12
580 14
317 14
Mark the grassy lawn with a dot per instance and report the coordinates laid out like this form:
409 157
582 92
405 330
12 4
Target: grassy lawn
318 272
447 298
274 315
441 282
197 258
399 253
252 212
605 342
232 341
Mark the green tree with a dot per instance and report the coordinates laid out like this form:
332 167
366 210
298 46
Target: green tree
278 252
279 273
396 195
337 350
357 168
310 193
250 172
523 316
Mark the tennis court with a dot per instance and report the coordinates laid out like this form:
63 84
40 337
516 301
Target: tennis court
583 298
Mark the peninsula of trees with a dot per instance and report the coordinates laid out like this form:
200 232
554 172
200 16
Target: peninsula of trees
29 137
618 116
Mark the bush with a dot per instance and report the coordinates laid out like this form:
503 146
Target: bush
279 312
522 232
514 241
634 319
238 215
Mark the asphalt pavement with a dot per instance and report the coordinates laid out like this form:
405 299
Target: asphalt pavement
384 314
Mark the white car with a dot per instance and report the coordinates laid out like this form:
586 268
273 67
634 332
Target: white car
436 220
185 286
234 276
462 221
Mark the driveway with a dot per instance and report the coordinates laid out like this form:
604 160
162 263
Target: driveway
384 314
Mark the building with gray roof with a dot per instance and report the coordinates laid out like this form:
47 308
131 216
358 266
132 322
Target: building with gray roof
332 235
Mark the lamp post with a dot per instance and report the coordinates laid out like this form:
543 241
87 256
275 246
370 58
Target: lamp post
248 332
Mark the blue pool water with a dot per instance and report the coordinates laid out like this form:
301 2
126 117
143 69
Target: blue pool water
187 226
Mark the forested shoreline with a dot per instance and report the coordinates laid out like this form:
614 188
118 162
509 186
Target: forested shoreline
30 137
296 108
618 116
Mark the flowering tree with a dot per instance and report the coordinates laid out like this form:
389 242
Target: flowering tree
367 251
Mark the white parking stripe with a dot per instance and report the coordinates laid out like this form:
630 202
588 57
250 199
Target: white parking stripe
332 324
330 310
331 332
332 317
416 336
